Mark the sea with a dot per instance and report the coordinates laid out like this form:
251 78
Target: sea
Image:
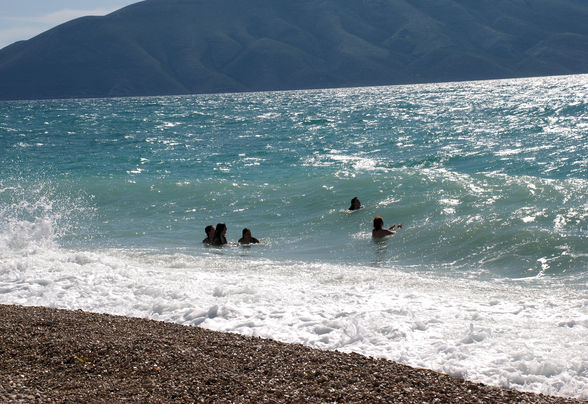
103 205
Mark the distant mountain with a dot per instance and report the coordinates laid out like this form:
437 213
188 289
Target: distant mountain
159 47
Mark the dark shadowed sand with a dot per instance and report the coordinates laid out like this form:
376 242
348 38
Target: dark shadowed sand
49 355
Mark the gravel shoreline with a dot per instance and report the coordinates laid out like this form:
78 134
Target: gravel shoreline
49 355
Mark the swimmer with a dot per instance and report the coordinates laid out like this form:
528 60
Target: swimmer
247 238
219 234
378 228
355 204
209 230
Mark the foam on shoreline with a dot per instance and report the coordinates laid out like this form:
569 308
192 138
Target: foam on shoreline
61 355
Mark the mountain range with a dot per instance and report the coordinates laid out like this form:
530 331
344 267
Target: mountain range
163 47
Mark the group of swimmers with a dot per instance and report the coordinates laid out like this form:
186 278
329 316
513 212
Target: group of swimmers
378 230
216 236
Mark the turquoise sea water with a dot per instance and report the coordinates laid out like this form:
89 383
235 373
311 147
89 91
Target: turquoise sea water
490 180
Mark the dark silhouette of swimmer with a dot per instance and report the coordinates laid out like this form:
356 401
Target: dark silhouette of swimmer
219 234
209 230
247 238
378 230
355 204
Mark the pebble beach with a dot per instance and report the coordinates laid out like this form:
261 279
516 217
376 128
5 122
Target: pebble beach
57 356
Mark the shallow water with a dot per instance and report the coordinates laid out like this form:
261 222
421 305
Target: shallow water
103 205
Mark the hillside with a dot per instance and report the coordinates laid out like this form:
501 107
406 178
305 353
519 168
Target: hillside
159 47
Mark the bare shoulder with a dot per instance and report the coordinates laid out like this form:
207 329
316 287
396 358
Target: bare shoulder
382 233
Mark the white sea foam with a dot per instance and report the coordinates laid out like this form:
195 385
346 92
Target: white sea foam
501 333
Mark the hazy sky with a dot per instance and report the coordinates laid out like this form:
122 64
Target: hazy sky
24 19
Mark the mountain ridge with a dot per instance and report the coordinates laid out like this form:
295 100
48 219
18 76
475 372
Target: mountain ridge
164 47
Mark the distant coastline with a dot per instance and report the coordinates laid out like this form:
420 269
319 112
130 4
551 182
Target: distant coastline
175 47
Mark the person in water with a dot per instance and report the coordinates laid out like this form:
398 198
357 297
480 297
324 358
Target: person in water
378 230
247 238
355 204
209 230
219 234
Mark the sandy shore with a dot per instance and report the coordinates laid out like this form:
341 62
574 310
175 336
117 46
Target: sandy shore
49 355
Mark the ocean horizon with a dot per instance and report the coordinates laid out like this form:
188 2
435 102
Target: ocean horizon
103 205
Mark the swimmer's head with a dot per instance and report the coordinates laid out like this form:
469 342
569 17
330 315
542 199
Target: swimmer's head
378 223
221 228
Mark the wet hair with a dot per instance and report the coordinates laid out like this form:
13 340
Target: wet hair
245 230
356 199
208 228
378 223
219 239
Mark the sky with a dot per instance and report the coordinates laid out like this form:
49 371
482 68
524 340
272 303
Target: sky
24 19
